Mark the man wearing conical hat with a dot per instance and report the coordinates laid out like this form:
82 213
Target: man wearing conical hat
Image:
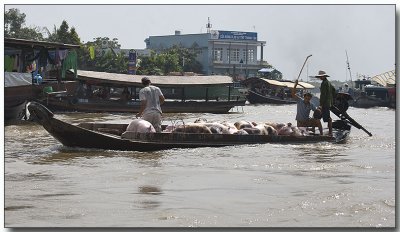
326 99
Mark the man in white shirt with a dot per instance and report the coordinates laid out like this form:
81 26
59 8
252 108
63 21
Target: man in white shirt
151 99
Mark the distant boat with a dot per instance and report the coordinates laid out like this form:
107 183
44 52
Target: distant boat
262 90
378 91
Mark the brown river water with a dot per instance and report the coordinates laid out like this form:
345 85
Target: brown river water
266 185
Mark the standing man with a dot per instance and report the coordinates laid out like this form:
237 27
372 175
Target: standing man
151 99
304 107
326 99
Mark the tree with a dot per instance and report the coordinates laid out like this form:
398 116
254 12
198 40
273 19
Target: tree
63 34
107 56
13 21
14 26
174 59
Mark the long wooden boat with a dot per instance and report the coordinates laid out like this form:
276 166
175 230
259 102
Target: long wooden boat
262 90
184 94
110 136
71 103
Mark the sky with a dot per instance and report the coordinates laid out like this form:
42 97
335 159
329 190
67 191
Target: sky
291 32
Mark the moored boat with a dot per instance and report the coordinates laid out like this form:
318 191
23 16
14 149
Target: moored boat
111 92
377 91
262 90
17 91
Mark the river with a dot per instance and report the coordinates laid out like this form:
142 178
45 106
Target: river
267 185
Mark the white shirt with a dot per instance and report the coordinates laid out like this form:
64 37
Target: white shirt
152 96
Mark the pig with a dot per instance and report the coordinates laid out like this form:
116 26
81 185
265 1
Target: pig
243 124
285 130
241 132
140 126
231 127
271 130
196 128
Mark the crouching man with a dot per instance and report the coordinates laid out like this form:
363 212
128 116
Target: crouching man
304 107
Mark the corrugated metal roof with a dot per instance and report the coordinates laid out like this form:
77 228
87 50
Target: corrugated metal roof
26 42
160 81
385 79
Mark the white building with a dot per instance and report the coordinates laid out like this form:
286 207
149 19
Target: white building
220 52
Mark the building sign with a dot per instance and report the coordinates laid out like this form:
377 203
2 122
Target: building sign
132 62
234 35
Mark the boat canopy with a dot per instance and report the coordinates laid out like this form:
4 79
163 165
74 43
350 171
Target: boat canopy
288 84
274 82
306 85
385 79
160 81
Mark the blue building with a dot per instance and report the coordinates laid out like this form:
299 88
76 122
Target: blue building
220 52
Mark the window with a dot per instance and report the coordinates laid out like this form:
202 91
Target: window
235 54
217 56
250 54
244 55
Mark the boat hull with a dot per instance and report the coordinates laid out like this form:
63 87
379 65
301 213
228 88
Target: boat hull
369 102
69 104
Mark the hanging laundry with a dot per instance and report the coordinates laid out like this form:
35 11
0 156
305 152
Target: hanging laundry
63 54
15 63
42 57
91 52
8 63
71 61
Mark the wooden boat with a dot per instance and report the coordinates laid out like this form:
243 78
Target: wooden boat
262 90
110 136
17 91
61 102
378 91
184 94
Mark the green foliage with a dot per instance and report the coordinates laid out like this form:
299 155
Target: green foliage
107 57
14 26
174 59
63 34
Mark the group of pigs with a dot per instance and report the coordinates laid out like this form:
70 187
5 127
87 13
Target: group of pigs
201 126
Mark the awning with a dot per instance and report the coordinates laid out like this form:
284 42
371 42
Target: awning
288 84
274 82
385 79
306 85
